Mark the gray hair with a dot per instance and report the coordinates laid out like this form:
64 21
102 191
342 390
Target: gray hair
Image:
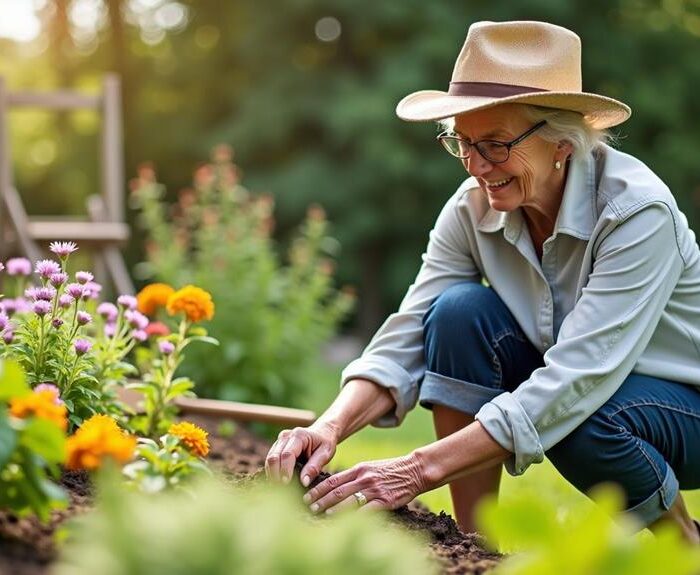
561 125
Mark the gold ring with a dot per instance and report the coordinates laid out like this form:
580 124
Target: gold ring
360 498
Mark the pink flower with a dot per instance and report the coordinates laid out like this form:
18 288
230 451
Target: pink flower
136 319
82 346
65 301
52 388
8 336
166 347
83 318
157 328
17 305
92 290
41 307
4 320
57 322
139 335
58 279
46 293
127 301
110 329
75 290
2 267
108 311
84 277
46 268
19 267
63 249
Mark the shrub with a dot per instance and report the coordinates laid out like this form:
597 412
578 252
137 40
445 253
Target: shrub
271 317
212 530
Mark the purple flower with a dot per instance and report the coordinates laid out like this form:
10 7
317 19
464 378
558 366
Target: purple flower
17 305
63 249
65 301
57 322
92 291
52 388
139 335
82 346
84 277
83 318
2 267
127 301
41 307
166 347
46 268
75 290
58 279
46 293
108 311
19 267
136 319
8 336
110 330
4 320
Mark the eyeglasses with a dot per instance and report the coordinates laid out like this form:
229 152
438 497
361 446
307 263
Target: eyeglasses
492 150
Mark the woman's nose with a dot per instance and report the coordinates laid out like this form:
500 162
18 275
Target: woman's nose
476 164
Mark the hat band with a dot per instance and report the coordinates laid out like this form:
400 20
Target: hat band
489 89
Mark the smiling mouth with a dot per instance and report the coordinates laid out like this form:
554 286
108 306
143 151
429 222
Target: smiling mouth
498 184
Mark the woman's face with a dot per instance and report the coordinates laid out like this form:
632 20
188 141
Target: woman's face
528 176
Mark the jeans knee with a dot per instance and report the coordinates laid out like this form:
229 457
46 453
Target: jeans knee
456 307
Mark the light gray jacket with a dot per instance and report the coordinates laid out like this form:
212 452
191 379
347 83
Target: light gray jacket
617 291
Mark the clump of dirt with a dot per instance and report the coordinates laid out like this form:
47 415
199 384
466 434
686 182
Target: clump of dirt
27 547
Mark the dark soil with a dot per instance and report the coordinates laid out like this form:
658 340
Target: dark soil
27 547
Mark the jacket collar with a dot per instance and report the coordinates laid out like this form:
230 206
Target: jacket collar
577 213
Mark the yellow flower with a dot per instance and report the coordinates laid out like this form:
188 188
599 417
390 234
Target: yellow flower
193 301
152 297
192 437
98 438
43 404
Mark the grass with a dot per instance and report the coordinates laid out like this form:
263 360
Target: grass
416 430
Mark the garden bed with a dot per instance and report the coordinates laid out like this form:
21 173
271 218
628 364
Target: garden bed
27 547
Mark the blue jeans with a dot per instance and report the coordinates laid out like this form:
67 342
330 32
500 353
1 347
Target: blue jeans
646 438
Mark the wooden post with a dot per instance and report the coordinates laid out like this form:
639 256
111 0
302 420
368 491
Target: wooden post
112 149
5 163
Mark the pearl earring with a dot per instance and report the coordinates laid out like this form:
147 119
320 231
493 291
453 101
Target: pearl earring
557 165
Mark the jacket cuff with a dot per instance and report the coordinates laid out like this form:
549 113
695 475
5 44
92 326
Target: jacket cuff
506 421
391 376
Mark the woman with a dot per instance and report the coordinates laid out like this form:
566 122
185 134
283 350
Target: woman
586 342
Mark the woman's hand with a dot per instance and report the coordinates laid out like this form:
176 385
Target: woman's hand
385 484
317 443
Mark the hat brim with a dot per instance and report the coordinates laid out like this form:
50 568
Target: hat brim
599 111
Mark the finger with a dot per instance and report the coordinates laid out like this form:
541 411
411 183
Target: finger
313 466
273 459
373 505
288 456
329 484
351 502
340 492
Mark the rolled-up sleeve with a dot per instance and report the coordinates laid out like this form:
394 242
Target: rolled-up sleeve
636 268
394 357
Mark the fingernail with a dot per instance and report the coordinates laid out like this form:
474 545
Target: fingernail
285 478
314 508
305 481
306 498
329 512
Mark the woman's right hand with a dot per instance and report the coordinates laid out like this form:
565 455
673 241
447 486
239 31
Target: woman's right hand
317 443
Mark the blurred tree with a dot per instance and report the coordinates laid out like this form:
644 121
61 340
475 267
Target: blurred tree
305 92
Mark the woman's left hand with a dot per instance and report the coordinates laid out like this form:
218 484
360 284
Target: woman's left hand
385 484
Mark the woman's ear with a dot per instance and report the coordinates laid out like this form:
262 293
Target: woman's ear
564 150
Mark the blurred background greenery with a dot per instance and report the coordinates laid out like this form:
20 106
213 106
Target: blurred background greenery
304 91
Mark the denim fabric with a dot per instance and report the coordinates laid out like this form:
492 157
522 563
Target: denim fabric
646 437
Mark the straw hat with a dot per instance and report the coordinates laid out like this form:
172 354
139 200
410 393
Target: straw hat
515 62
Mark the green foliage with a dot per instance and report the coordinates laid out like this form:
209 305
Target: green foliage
214 530
581 539
30 451
162 464
270 318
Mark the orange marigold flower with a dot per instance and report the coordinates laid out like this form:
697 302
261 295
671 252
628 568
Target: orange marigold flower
152 297
42 404
192 437
193 301
98 438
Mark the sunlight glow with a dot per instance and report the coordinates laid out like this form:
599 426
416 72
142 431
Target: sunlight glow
19 20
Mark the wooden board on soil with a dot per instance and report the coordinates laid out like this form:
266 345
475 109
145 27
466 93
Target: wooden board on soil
27 547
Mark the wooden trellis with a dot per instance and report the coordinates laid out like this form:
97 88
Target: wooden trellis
104 230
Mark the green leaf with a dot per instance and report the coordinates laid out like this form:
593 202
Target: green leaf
45 439
205 339
8 440
12 380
